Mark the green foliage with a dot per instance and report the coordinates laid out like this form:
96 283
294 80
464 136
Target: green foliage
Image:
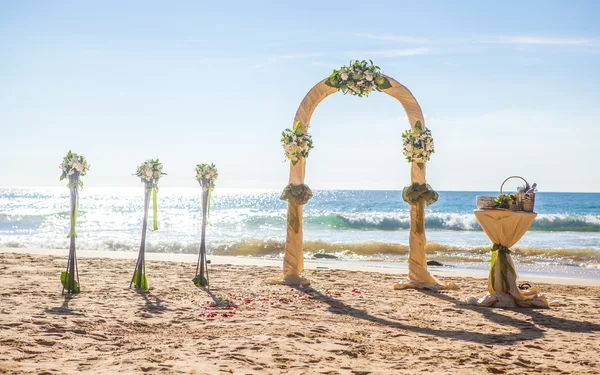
136 282
503 201
200 281
64 280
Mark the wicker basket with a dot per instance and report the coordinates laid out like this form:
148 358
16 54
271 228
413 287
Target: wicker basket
525 201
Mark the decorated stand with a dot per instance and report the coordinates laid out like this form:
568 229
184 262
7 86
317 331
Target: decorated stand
149 172
505 219
359 79
73 167
206 174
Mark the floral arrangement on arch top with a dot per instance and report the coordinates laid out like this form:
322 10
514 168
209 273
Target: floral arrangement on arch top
359 78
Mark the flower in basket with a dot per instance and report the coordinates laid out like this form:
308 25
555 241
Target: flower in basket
206 174
359 78
504 201
418 144
296 143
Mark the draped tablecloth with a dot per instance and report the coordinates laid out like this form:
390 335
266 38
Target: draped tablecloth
505 228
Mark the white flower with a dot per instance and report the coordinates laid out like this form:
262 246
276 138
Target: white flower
369 76
344 76
149 172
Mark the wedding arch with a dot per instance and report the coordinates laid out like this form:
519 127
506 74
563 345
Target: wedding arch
358 79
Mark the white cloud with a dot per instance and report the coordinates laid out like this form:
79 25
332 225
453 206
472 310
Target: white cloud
393 38
538 40
399 52
533 40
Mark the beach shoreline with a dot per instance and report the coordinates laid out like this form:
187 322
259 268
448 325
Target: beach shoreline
396 268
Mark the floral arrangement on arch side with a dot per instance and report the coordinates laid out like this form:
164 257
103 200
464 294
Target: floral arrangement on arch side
296 143
74 166
359 78
417 144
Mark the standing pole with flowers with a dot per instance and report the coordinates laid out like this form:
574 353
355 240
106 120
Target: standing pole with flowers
206 175
149 172
73 167
359 78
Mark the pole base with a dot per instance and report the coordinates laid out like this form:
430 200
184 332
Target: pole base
434 287
290 280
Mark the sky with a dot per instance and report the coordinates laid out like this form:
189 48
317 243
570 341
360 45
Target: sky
507 88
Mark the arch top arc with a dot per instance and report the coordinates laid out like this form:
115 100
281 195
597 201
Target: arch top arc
320 91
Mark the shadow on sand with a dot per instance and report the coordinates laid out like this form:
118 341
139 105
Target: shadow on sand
64 309
527 330
155 306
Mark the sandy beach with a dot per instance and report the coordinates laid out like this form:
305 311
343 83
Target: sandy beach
347 322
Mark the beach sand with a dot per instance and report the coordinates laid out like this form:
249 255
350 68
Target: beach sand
348 322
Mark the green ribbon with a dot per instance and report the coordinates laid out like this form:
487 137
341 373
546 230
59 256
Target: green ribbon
64 280
74 186
155 207
500 254
208 185
152 193
208 202
296 194
140 282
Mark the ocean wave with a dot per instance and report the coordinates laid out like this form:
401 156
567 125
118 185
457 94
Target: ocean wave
108 221
449 221
383 251
366 251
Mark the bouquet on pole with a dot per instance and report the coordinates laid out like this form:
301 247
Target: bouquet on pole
206 174
73 167
149 172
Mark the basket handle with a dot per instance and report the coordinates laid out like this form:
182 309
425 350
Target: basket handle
526 183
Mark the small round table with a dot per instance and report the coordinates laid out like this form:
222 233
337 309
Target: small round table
505 228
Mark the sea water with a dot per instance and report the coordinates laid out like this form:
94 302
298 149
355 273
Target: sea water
353 225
